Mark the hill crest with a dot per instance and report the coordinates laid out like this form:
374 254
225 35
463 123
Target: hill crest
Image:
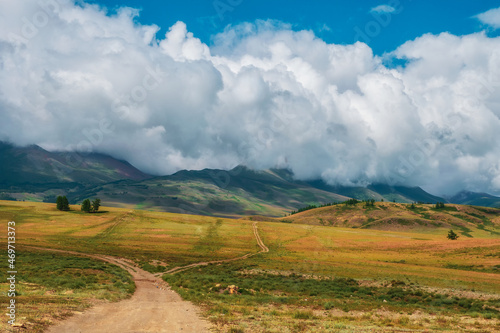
402 217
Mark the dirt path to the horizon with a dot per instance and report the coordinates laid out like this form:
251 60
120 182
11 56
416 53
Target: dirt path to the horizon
154 307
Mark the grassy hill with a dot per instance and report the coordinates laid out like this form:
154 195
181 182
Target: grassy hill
402 217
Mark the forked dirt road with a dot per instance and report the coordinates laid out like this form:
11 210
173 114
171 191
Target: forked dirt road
154 307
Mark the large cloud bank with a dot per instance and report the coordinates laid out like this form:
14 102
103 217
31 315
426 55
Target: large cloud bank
74 78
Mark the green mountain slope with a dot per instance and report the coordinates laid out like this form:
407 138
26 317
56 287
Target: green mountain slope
41 173
240 191
33 165
476 199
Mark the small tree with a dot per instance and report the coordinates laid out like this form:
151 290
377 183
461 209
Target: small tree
65 203
452 235
95 205
439 205
86 207
62 203
59 203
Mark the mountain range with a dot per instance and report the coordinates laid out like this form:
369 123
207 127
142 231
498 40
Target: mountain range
32 173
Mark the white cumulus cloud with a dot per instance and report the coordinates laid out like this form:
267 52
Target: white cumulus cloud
73 77
490 18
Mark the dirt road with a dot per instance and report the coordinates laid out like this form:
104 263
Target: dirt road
263 247
152 308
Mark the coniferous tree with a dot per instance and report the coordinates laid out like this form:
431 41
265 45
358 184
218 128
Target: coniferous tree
59 203
65 203
62 203
452 235
86 207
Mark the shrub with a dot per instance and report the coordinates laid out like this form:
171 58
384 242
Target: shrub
452 235
328 305
303 315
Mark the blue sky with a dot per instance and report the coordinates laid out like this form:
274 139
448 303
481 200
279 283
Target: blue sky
340 22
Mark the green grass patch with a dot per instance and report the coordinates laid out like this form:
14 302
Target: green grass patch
209 285
51 286
59 272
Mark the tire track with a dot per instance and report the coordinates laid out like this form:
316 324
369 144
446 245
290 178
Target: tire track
263 249
259 240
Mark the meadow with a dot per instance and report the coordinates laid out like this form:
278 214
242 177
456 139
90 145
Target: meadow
315 278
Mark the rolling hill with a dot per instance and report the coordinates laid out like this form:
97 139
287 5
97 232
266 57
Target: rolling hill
402 217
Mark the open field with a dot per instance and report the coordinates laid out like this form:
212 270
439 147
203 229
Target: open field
315 278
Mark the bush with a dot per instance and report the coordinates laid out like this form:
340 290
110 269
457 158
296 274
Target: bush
328 305
303 315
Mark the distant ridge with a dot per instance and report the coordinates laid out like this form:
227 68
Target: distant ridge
237 192
32 173
475 199
41 173
380 192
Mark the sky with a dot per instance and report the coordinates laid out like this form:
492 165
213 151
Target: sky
335 21
360 92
